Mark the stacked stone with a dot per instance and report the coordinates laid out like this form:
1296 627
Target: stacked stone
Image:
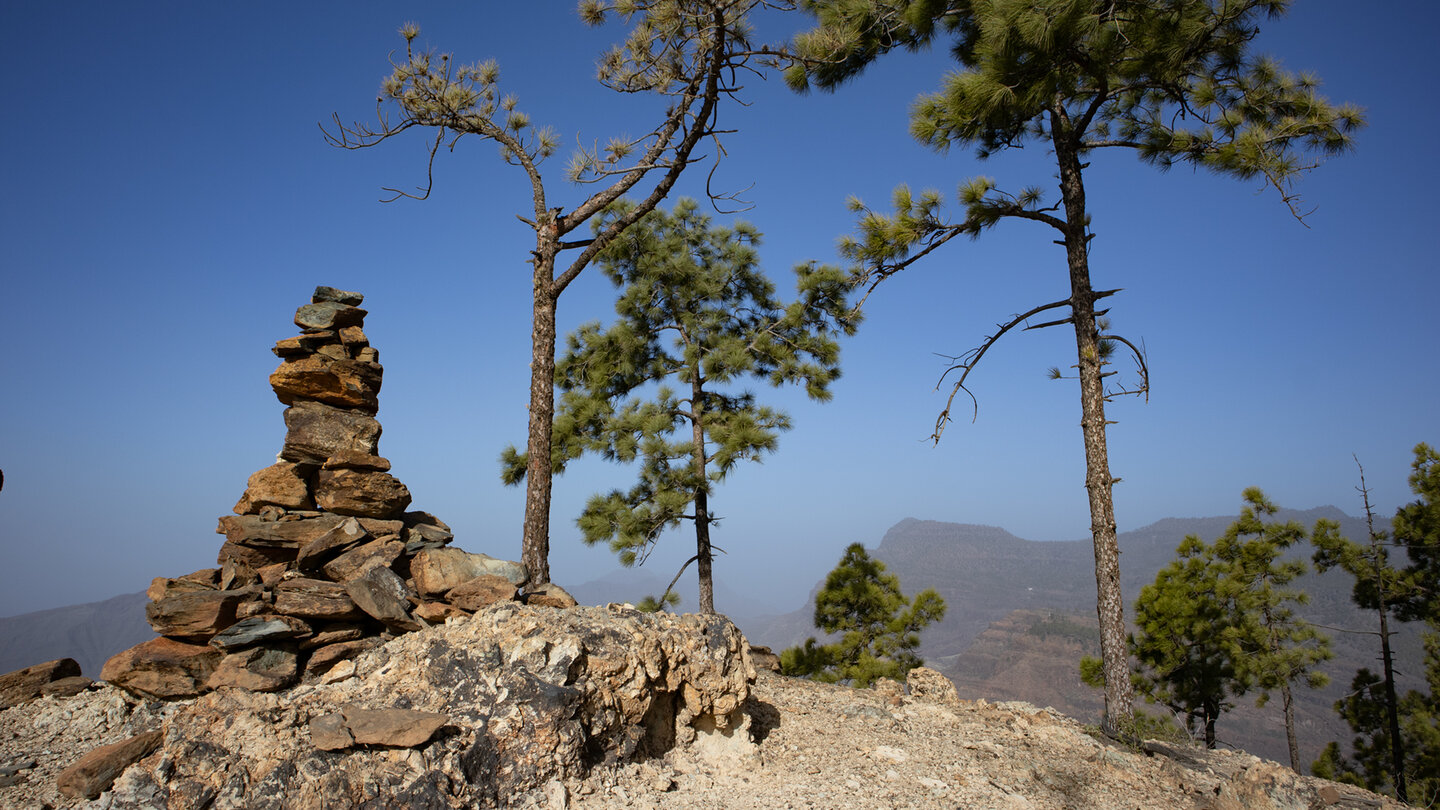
321 560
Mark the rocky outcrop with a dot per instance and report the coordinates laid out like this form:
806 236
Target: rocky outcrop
31 682
321 553
481 712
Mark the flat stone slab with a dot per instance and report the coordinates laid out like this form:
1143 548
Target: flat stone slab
96 771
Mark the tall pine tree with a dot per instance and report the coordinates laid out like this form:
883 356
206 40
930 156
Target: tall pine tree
1172 81
695 312
684 53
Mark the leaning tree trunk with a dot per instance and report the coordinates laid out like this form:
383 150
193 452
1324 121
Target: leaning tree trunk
535 545
703 554
1110 608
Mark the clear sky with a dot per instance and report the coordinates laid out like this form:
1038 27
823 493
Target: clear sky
168 201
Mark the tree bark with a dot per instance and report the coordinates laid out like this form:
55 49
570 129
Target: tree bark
703 554
1110 607
1392 704
535 544
1289 700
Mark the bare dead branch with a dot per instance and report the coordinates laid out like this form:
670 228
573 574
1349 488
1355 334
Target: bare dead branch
972 358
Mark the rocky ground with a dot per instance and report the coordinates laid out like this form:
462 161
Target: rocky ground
817 746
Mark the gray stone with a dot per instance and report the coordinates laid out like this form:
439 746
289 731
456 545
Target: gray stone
383 595
328 315
347 297
258 630
67 687
259 669
317 431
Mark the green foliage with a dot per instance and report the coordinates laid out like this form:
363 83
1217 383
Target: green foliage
879 627
1218 621
695 312
1064 627
1405 594
653 604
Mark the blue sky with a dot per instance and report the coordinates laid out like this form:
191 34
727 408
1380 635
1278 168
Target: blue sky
169 201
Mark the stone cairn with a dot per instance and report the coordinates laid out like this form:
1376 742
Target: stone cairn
321 560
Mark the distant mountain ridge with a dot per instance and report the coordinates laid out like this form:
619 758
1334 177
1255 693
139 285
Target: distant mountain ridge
90 633
998 587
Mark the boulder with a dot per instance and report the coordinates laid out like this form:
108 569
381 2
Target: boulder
196 615
481 592
348 297
96 771
323 658
550 595
328 315
29 683
301 345
928 685
496 706
315 599
437 570
385 597
354 337
317 431
163 668
343 383
437 612
259 669
67 687
281 484
364 493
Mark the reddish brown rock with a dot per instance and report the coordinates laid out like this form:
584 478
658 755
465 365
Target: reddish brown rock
259 669
345 536
301 345
314 599
356 460
353 563
481 592
333 633
354 337
96 771
342 383
195 615
254 557
361 493
29 683
317 431
329 733
323 658
161 587
163 668
437 570
550 595
402 728
67 687
282 484
436 612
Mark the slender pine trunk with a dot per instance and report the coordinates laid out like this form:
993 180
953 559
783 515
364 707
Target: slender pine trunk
703 555
1110 607
535 544
1392 707
1288 698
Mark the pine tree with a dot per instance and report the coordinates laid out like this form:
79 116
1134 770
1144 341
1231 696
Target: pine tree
682 51
879 627
1183 659
1175 82
695 311
1396 744
1219 622
1275 648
